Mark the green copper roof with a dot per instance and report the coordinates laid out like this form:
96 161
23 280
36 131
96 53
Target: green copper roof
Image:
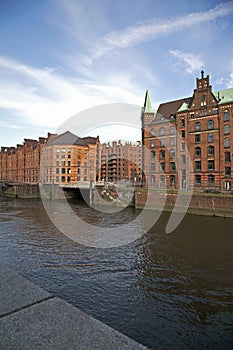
183 107
147 104
225 96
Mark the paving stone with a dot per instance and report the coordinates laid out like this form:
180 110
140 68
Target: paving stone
55 324
17 292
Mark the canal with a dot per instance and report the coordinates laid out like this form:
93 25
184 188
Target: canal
167 291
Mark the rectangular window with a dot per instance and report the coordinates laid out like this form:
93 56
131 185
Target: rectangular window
172 141
227 142
226 116
162 143
152 167
197 138
172 166
152 179
162 166
210 137
197 180
228 171
152 143
198 165
182 146
57 178
172 180
227 157
210 165
183 134
152 154
183 159
211 180
57 170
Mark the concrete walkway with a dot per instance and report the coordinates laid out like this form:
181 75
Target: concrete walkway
31 318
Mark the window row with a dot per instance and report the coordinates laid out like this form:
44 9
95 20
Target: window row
172 179
172 166
172 131
197 127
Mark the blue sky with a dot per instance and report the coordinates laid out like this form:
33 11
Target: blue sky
60 57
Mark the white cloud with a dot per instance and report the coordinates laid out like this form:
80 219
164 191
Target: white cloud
42 97
145 31
190 61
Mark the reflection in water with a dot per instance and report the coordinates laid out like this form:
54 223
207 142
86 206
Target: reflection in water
166 291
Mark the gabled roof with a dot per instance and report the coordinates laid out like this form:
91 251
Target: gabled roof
67 138
90 140
170 108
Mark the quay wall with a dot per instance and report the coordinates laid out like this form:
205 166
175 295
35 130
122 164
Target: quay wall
200 204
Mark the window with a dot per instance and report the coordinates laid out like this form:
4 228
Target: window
211 180
172 130
211 165
162 179
210 124
63 162
162 166
198 165
152 154
183 159
162 143
68 171
152 143
57 170
226 142
57 162
210 137
152 179
172 179
182 134
215 110
197 180
227 157
79 178
197 126
211 151
161 131
152 132
227 186
63 179
182 146
152 167
197 138
68 163
226 116
228 171
197 151
226 129
203 100
192 115
68 178
172 154
172 166
172 141
182 123
57 178
63 170
162 154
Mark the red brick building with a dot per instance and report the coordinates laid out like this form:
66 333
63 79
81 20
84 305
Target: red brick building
121 160
188 142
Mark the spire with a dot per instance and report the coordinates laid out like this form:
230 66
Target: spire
147 103
202 73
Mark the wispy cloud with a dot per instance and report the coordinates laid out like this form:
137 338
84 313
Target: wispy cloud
44 97
149 30
189 61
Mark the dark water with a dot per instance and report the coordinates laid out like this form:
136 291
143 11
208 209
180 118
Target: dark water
166 291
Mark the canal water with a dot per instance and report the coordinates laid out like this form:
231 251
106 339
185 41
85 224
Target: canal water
166 291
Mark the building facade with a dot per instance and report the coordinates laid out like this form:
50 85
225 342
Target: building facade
121 161
58 159
188 143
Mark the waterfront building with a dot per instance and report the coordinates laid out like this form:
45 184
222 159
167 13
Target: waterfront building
68 158
188 142
121 161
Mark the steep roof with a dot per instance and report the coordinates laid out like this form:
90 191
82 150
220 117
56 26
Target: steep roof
90 140
67 138
169 108
147 104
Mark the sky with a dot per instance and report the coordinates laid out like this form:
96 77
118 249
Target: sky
61 57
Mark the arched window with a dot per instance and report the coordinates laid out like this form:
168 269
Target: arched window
172 154
226 129
211 151
197 126
210 124
172 130
197 151
152 132
161 131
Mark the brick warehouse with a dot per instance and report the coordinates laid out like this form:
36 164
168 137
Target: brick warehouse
188 142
